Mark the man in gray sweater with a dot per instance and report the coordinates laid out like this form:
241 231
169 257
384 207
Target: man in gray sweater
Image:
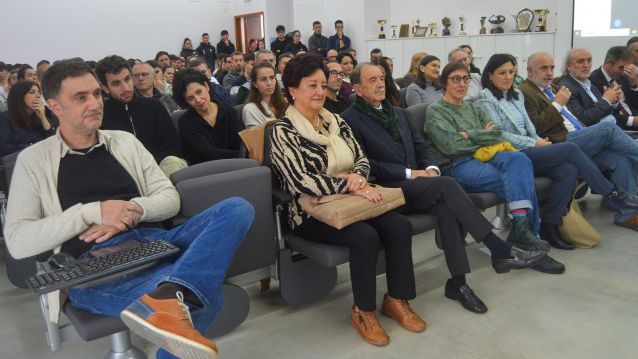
85 189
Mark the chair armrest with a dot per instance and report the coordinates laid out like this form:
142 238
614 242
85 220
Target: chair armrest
280 197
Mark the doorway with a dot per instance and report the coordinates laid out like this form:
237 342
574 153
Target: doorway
247 27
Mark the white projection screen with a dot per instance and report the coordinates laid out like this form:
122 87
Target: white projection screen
601 24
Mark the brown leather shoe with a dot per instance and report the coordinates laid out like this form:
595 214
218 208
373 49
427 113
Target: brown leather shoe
167 323
631 222
369 327
399 310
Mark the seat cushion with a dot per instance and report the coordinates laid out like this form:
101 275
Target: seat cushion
92 326
325 254
484 200
422 222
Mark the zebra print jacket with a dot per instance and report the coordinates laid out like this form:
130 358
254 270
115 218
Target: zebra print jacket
300 165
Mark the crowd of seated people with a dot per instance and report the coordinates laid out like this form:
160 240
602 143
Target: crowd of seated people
338 124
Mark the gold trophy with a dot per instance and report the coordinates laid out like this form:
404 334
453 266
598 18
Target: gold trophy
446 22
381 22
432 27
394 31
462 21
483 30
541 16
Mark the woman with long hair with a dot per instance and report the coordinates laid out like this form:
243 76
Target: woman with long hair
412 74
265 101
27 120
392 93
187 49
426 89
347 64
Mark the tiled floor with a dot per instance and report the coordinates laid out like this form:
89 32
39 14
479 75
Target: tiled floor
591 311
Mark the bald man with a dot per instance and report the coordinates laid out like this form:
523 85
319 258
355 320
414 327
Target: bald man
605 143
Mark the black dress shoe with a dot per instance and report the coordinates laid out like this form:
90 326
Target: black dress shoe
549 265
621 199
522 236
550 234
519 259
465 295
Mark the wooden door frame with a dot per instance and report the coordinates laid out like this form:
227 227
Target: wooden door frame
239 40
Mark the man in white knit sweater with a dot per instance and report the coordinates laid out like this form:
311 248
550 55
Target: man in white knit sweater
85 189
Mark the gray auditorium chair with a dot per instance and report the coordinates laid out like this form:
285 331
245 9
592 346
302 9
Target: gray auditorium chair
402 93
175 117
240 112
307 270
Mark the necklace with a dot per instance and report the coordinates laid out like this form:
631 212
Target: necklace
317 125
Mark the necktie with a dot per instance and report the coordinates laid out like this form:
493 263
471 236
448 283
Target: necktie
563 111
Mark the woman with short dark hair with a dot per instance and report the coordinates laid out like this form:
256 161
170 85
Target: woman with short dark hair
27 120
187 49
348 64
426 88
208 129
314 152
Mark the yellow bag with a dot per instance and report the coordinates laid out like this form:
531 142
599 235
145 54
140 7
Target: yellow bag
486 153
576 230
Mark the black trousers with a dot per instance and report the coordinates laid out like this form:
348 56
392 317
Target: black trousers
446 199
391 230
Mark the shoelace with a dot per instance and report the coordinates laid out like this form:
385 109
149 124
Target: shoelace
370 319
180 297
405 308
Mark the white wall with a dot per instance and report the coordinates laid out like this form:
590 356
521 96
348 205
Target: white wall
37 29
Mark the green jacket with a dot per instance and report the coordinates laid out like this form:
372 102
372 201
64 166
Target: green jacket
444 121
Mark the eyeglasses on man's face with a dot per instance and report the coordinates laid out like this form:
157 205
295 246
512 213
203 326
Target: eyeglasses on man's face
458 79
335 73
142 75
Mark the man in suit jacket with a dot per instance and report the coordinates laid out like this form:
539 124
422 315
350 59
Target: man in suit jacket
399 157
605 143
619 71
587 103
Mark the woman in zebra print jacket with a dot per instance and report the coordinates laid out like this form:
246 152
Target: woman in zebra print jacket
314 152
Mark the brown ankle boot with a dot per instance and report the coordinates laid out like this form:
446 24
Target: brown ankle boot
399 310
369 327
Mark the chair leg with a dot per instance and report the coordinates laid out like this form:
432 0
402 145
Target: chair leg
501 220
121 347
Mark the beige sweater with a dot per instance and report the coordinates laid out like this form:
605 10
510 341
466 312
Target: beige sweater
35 222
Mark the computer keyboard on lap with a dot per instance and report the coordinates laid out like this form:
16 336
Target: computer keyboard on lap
97 267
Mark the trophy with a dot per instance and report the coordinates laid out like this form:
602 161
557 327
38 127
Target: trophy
432 27
483 28
446 22
524 20
381 22
462 21
541 16
497 20
394 31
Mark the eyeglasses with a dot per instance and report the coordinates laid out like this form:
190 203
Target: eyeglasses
335 73
142 75
458 79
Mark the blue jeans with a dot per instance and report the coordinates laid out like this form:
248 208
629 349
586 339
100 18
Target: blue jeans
613 150
509 175
208 242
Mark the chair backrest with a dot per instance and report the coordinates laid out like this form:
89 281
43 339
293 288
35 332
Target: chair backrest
400 82
207 183
240 112
175 117
416 117
402 94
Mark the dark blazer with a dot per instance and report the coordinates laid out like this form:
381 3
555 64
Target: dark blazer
386 160
599 81
547 120
582 106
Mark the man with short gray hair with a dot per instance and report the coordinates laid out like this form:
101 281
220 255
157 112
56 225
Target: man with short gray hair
265 55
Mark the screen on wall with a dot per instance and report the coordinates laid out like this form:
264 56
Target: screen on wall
601 24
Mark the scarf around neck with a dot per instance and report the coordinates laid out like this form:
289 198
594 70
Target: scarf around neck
340 156
385 117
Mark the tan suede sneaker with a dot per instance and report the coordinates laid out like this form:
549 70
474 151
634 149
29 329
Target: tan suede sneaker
167 323
369 327
399 310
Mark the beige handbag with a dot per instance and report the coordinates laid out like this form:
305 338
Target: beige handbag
576 230
341 210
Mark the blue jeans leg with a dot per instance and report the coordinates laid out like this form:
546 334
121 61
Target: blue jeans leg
509 175
623 174
208 242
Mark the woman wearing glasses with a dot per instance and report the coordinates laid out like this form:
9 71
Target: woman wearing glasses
458 129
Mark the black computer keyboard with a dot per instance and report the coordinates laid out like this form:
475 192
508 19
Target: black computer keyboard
94 268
